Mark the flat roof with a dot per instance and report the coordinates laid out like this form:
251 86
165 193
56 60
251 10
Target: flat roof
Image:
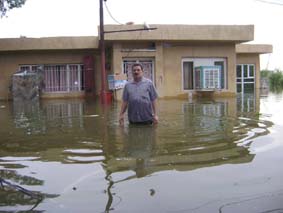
220 33
49 43
254 48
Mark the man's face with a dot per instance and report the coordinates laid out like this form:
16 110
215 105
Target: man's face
137 72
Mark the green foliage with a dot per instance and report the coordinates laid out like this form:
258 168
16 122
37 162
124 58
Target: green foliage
6 5
265 73
276 80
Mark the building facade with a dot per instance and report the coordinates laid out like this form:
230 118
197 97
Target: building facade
181 60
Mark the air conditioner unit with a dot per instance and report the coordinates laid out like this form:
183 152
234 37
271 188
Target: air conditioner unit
207 77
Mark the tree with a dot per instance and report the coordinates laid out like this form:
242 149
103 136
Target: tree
6 5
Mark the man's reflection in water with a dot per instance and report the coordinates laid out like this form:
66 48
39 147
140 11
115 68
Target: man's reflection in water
139 144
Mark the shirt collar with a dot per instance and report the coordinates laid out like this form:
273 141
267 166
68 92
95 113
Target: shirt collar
142 80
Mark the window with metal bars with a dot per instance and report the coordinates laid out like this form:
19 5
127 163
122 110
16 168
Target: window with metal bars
148 68
60 78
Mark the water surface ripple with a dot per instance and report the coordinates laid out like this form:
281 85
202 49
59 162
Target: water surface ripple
77 158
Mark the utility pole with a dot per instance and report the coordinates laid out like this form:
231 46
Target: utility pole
105 95
103 92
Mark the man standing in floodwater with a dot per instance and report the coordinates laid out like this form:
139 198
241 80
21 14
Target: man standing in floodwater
139 97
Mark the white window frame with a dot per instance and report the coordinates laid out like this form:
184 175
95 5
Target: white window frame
242 78
28 68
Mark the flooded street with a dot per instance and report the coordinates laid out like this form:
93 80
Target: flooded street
221 155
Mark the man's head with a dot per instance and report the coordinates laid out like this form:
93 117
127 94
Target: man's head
137 71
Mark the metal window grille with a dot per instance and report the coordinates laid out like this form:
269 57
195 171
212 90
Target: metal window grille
60 78
147 68
63 78
55 78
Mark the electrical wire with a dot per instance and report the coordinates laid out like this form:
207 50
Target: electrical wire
108 11
137 37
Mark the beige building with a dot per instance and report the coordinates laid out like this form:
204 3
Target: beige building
181 60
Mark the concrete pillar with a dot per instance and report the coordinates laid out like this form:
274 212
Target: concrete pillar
159 69
117 61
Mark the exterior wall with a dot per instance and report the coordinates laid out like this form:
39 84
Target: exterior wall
10 61
119 53
168 49
173 67
168 64
254 58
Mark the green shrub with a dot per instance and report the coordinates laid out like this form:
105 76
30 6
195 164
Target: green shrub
276 80
265 73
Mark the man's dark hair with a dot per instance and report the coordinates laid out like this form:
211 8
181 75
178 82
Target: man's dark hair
137 65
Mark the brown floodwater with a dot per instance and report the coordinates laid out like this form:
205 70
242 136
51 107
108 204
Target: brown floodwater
220 155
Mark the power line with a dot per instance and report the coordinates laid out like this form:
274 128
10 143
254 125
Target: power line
108 11
271 2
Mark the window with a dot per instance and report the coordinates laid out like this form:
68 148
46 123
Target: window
28 68
222 73
188 68
245 71
245 77
189 73
251 71
239 71
60 78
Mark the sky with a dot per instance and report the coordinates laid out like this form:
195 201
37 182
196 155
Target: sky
47 18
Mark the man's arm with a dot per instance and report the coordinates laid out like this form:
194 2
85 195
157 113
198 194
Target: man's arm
122 112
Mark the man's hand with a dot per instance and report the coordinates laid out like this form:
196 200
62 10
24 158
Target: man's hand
155 119
121 119
122 113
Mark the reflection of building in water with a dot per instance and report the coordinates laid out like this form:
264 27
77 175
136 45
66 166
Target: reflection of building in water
207 115
53 130
66 111
205 134
37 116
28 115
247 102
264 92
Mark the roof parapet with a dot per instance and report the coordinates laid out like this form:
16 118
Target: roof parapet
230 33
49 43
